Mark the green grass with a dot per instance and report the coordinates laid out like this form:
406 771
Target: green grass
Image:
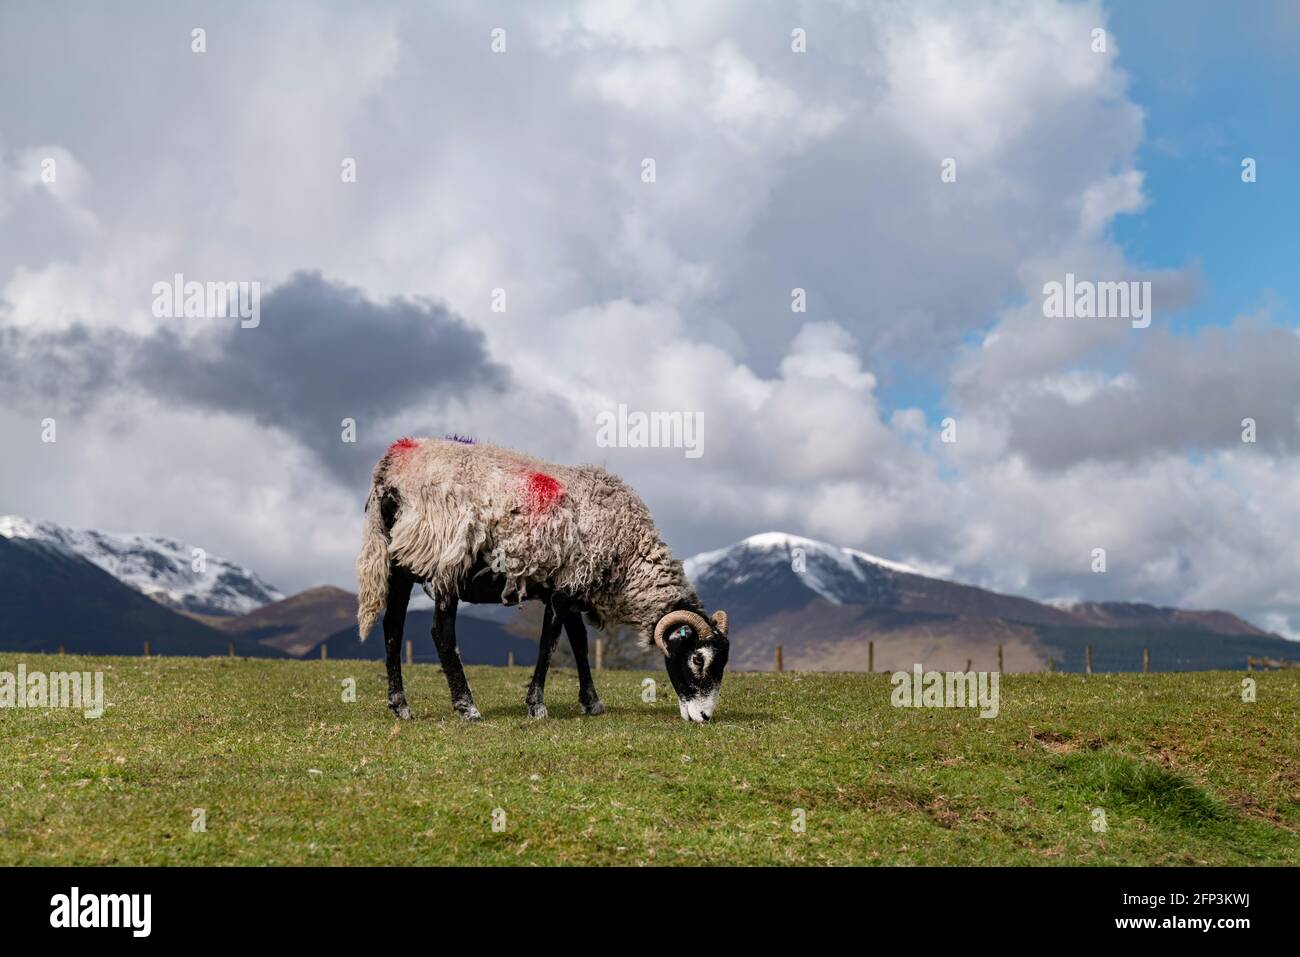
289 773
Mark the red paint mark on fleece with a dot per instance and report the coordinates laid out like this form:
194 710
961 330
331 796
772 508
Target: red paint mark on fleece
541 492
398 451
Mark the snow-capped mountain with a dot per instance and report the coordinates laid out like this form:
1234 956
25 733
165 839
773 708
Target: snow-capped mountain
826 605
840 575
162 568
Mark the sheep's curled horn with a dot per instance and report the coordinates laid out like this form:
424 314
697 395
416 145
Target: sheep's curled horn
703 627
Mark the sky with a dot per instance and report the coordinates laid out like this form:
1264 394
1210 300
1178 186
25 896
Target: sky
503 265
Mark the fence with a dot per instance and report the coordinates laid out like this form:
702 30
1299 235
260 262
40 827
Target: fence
1270 664
1252 663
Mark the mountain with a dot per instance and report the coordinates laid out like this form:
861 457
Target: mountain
298 624
301 624
829 608
1120 614
160 568
775 572
823 604
51 597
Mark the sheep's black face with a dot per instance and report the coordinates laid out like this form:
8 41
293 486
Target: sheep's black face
695 662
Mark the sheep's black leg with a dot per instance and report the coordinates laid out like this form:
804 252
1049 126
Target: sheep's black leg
577 631
444 637
551 623
399 596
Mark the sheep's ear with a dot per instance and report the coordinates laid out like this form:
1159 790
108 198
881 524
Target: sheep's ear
719 620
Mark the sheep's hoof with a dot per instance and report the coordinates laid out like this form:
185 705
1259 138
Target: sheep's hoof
596 707
471 714
537 710
401 710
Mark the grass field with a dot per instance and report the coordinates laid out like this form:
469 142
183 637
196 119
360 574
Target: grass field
287 772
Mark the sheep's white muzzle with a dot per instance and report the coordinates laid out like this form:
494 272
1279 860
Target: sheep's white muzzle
698 709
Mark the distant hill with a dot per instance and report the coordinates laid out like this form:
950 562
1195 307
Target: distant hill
301 624
298 624
161 568
824 605
52 598
1134 615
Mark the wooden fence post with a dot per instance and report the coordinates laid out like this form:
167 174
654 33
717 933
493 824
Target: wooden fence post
146 649
60 649
780 660
1146 660
410 652
871 656
1087 659
510 659
600 654
230 650
1250 663
1051 666
324 651
999 659
968 666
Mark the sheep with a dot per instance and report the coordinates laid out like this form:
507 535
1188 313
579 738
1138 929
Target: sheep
482 523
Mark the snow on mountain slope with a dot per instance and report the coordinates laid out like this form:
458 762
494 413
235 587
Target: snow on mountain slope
771 574
161 568
840 575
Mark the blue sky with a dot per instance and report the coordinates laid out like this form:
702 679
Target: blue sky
1219 82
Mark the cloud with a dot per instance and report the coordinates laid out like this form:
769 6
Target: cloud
1183 395
520 171
322 353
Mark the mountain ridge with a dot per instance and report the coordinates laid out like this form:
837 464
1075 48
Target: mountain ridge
832 607
156 566
913 594
52 599
827 606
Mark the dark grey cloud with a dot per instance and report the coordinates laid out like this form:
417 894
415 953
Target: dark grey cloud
322 353
1184 395
64 370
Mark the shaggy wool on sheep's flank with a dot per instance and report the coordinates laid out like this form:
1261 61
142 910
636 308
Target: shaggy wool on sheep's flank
578 530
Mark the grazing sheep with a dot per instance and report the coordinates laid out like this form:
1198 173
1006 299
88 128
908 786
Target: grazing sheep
481 523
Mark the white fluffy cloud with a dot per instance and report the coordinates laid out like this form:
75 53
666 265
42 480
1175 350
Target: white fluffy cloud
522 172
